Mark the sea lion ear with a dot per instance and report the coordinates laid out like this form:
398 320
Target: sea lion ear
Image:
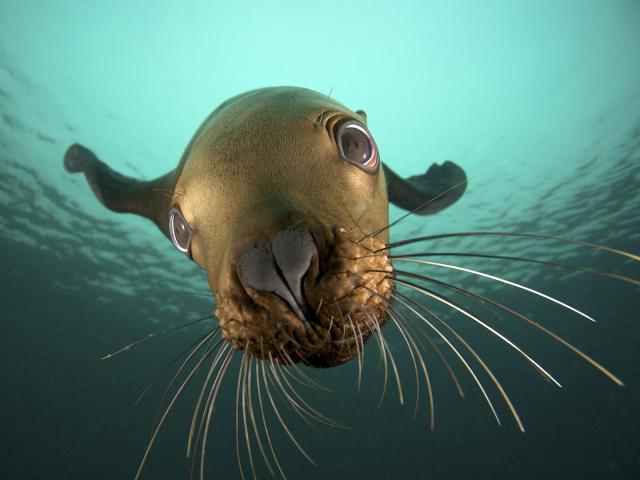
434 190
363 115
122 194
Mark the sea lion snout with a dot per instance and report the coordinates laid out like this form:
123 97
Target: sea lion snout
279 267
306 292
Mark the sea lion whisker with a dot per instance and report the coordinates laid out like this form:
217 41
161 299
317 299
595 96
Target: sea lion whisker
383 354
358 355
342 340
434 346
479 359
455 351
246 363
413 360
595 246
301 412
264 418
394 368
211 401
425 371
344 331
497 279
372 333
359 336
377 232
171 192
310 411
535 324
252 416
305 378
573 268
325 339
208 338
285 356
298 352
359 219
295 377
163 193
319 121
303 406
285 372
282 422
152 335
320 118
471 316
196 410
286 396
238 384
431 200
327 116
225 351
167 367
623 278
458 354
168 410
199 294
226 347
330 92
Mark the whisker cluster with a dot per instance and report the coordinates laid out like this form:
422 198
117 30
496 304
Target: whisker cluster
404 309
271 379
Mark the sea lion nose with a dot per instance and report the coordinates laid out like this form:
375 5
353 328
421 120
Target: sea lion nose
279 267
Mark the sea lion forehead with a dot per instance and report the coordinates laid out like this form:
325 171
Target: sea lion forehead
268 151
285 102
259 115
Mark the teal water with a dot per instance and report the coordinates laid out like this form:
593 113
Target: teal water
540 100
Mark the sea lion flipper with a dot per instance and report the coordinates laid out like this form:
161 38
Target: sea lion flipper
117 192
434 190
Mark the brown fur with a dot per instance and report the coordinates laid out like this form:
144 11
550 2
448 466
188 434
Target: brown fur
262 163
266 161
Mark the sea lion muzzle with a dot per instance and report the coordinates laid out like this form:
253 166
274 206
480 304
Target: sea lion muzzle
279 267
307 293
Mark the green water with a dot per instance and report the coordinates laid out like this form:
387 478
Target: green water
538 101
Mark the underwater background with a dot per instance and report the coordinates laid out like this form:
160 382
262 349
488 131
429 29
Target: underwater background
539 101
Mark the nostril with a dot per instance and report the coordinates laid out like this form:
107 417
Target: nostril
257 270
293 251
279 267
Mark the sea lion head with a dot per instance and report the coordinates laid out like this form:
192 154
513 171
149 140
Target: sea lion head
282 198
279 192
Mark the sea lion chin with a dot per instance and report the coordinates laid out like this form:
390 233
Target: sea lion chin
281 196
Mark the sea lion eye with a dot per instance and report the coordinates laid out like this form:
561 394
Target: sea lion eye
356 145
179 230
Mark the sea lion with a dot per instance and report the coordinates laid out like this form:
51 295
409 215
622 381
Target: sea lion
281 196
